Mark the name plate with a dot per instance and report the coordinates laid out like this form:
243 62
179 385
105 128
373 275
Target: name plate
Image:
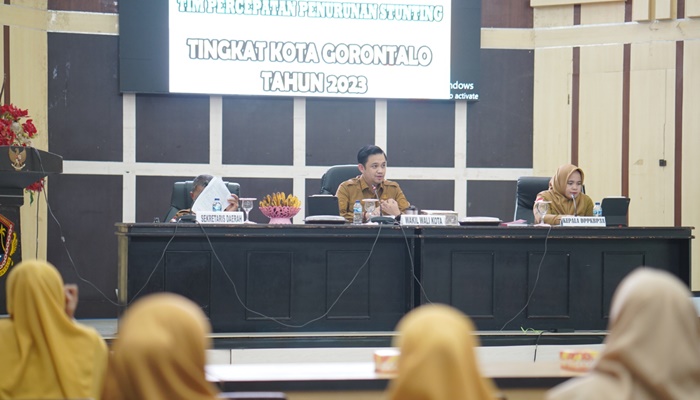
224 217
582 221
412 220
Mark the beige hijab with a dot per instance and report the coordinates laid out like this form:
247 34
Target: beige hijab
561 204
653 348
159 353
44 354
437 359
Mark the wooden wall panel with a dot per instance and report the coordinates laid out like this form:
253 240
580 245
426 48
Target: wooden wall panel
153 196
602 13
691 149
420 133
86 206
101 6
506 14
554 16
551 125
500 195
652 88
257 130
84 103
600 122
346 121
172 128
641 10
664 9
29 93
499 132
427 195
692 8
600 132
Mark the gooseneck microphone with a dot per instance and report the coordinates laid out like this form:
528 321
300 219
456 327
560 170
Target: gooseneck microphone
381 219
379 202
573 197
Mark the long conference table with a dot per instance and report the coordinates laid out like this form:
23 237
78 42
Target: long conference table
342 278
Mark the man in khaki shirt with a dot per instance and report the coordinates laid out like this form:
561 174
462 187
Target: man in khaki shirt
371 185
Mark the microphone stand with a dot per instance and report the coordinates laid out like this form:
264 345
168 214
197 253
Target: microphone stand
381 219
575 211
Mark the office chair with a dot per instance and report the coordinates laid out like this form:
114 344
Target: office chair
336 175
525 193
180 198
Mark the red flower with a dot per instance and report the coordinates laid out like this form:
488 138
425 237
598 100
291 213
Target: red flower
14 132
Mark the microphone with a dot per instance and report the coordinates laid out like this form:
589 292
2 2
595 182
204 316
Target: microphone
381 219
574 199
379 202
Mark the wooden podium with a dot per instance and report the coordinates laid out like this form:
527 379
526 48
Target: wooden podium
19 168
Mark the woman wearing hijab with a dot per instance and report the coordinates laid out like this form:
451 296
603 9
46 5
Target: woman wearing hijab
46 354
159 353
652 350
565 196
437 360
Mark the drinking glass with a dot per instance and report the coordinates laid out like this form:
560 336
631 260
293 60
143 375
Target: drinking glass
247 205
370 206
542 207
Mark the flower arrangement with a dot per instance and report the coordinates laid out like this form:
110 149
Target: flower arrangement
15 132
280 208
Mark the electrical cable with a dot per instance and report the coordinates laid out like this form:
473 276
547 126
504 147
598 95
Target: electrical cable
238 297
413 269
63 238
539 268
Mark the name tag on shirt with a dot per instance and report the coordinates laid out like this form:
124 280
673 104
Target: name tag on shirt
582 221
412 220
224 217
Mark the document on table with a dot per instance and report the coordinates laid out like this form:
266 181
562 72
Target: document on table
215 188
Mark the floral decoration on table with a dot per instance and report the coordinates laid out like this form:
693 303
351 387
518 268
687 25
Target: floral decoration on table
16 129
280 207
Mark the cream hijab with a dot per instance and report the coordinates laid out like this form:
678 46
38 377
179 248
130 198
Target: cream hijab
653 348
159 353
45 354
437 359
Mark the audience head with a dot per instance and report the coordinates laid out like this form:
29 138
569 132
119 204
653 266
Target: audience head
567 181
437 360
372 164
198 185
35 290
652 350
49 354
159 353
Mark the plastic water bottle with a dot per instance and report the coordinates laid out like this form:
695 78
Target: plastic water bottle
216 206
597 210
357 213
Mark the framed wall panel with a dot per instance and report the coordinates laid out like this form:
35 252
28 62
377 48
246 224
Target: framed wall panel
172 129
491 199
499 132
691 146
600 133
98 6
429 194
348 124
652 126
84 103
86 207
420 133
257 130
506 14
